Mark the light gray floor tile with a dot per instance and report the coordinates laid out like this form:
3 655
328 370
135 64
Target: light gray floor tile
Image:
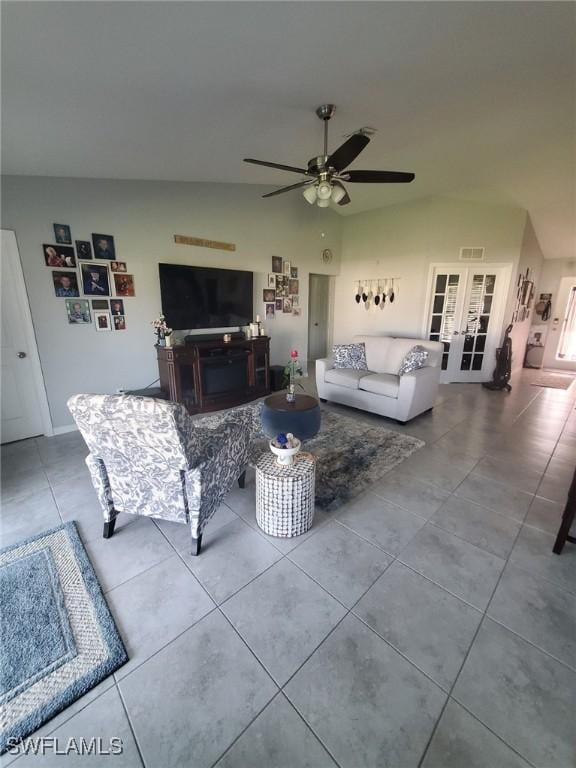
545 515
104 718
343 563
554 488
278 738
367 704
19 456
286 544
533 553
233 556
461 568
73 492
461 741
61 472
27 516
429 626
242 501
480 526
180 536
206 687
130 551
380 522
509 473
21 483
524 696
283 616
538 610
432 465
496 496
155 607
406 491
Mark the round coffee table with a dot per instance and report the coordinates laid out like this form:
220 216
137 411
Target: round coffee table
301 418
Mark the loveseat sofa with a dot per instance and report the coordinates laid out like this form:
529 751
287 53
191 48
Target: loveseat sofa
380 389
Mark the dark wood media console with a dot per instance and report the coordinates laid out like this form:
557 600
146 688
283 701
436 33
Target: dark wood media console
210 374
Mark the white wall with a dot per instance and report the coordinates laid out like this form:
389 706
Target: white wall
552 273
143 217
402 241
530 258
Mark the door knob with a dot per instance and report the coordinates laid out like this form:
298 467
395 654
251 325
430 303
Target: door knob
316 324
21 354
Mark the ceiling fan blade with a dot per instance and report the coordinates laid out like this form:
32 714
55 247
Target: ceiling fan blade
276 165
348 152
378 177
286 189
346 199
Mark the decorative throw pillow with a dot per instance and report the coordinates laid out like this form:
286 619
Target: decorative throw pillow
416 358
350 356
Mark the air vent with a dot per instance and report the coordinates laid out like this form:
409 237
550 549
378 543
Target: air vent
471 254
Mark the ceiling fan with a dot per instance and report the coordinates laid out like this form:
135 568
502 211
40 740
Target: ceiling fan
327 172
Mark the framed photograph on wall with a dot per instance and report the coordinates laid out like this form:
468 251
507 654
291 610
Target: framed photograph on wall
65 284
272 281
117 307
119 322
281 286
277 264
294 272
78 311
270 311
124 285
287 269
95 280
59 256
103 247
102 320
295 301
293 287
279 305
268 295
100 304
296 311
118 266
287 308
83 249
62 234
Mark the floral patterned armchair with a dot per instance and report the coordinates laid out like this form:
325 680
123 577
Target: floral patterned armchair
147 457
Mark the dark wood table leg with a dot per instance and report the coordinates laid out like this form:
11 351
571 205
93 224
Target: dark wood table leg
567 519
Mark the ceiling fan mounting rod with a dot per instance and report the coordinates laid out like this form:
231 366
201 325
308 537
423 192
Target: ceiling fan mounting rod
325 112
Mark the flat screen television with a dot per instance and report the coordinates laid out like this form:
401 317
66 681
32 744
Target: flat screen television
204 297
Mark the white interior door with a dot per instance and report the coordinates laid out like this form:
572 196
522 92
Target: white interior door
23 412
318 312
466 309
560 350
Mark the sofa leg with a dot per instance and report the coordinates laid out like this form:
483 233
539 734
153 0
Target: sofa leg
109 528
242 480
196 545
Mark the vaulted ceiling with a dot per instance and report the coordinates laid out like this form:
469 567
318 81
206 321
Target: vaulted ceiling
476 98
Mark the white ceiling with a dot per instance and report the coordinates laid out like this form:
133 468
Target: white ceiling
476 98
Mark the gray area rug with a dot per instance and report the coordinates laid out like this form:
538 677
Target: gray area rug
351 454
57 636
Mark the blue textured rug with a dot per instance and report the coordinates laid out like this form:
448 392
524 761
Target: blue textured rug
57 636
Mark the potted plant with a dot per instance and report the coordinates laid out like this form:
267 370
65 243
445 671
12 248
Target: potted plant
163 333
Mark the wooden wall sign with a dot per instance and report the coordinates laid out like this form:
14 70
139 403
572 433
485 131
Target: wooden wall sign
202 243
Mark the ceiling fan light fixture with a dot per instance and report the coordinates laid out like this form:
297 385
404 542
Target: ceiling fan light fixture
324 191
337 194
310 194
323 202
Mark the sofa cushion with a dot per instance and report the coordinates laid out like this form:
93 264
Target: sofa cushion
350 356
376 352
381 384
415 359
345 377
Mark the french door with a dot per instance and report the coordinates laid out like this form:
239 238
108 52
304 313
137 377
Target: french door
466 313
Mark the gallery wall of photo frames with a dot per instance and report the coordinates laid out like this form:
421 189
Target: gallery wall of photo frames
89 269
282 295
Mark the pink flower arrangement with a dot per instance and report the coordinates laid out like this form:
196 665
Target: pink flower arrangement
294 354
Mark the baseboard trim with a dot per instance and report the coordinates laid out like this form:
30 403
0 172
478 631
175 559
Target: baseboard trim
64 430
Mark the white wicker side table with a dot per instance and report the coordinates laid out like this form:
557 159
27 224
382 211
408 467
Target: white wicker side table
285 495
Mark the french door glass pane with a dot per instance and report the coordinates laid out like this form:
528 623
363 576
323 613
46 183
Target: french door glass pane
443 320
477 318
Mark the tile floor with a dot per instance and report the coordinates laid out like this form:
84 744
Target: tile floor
426 624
